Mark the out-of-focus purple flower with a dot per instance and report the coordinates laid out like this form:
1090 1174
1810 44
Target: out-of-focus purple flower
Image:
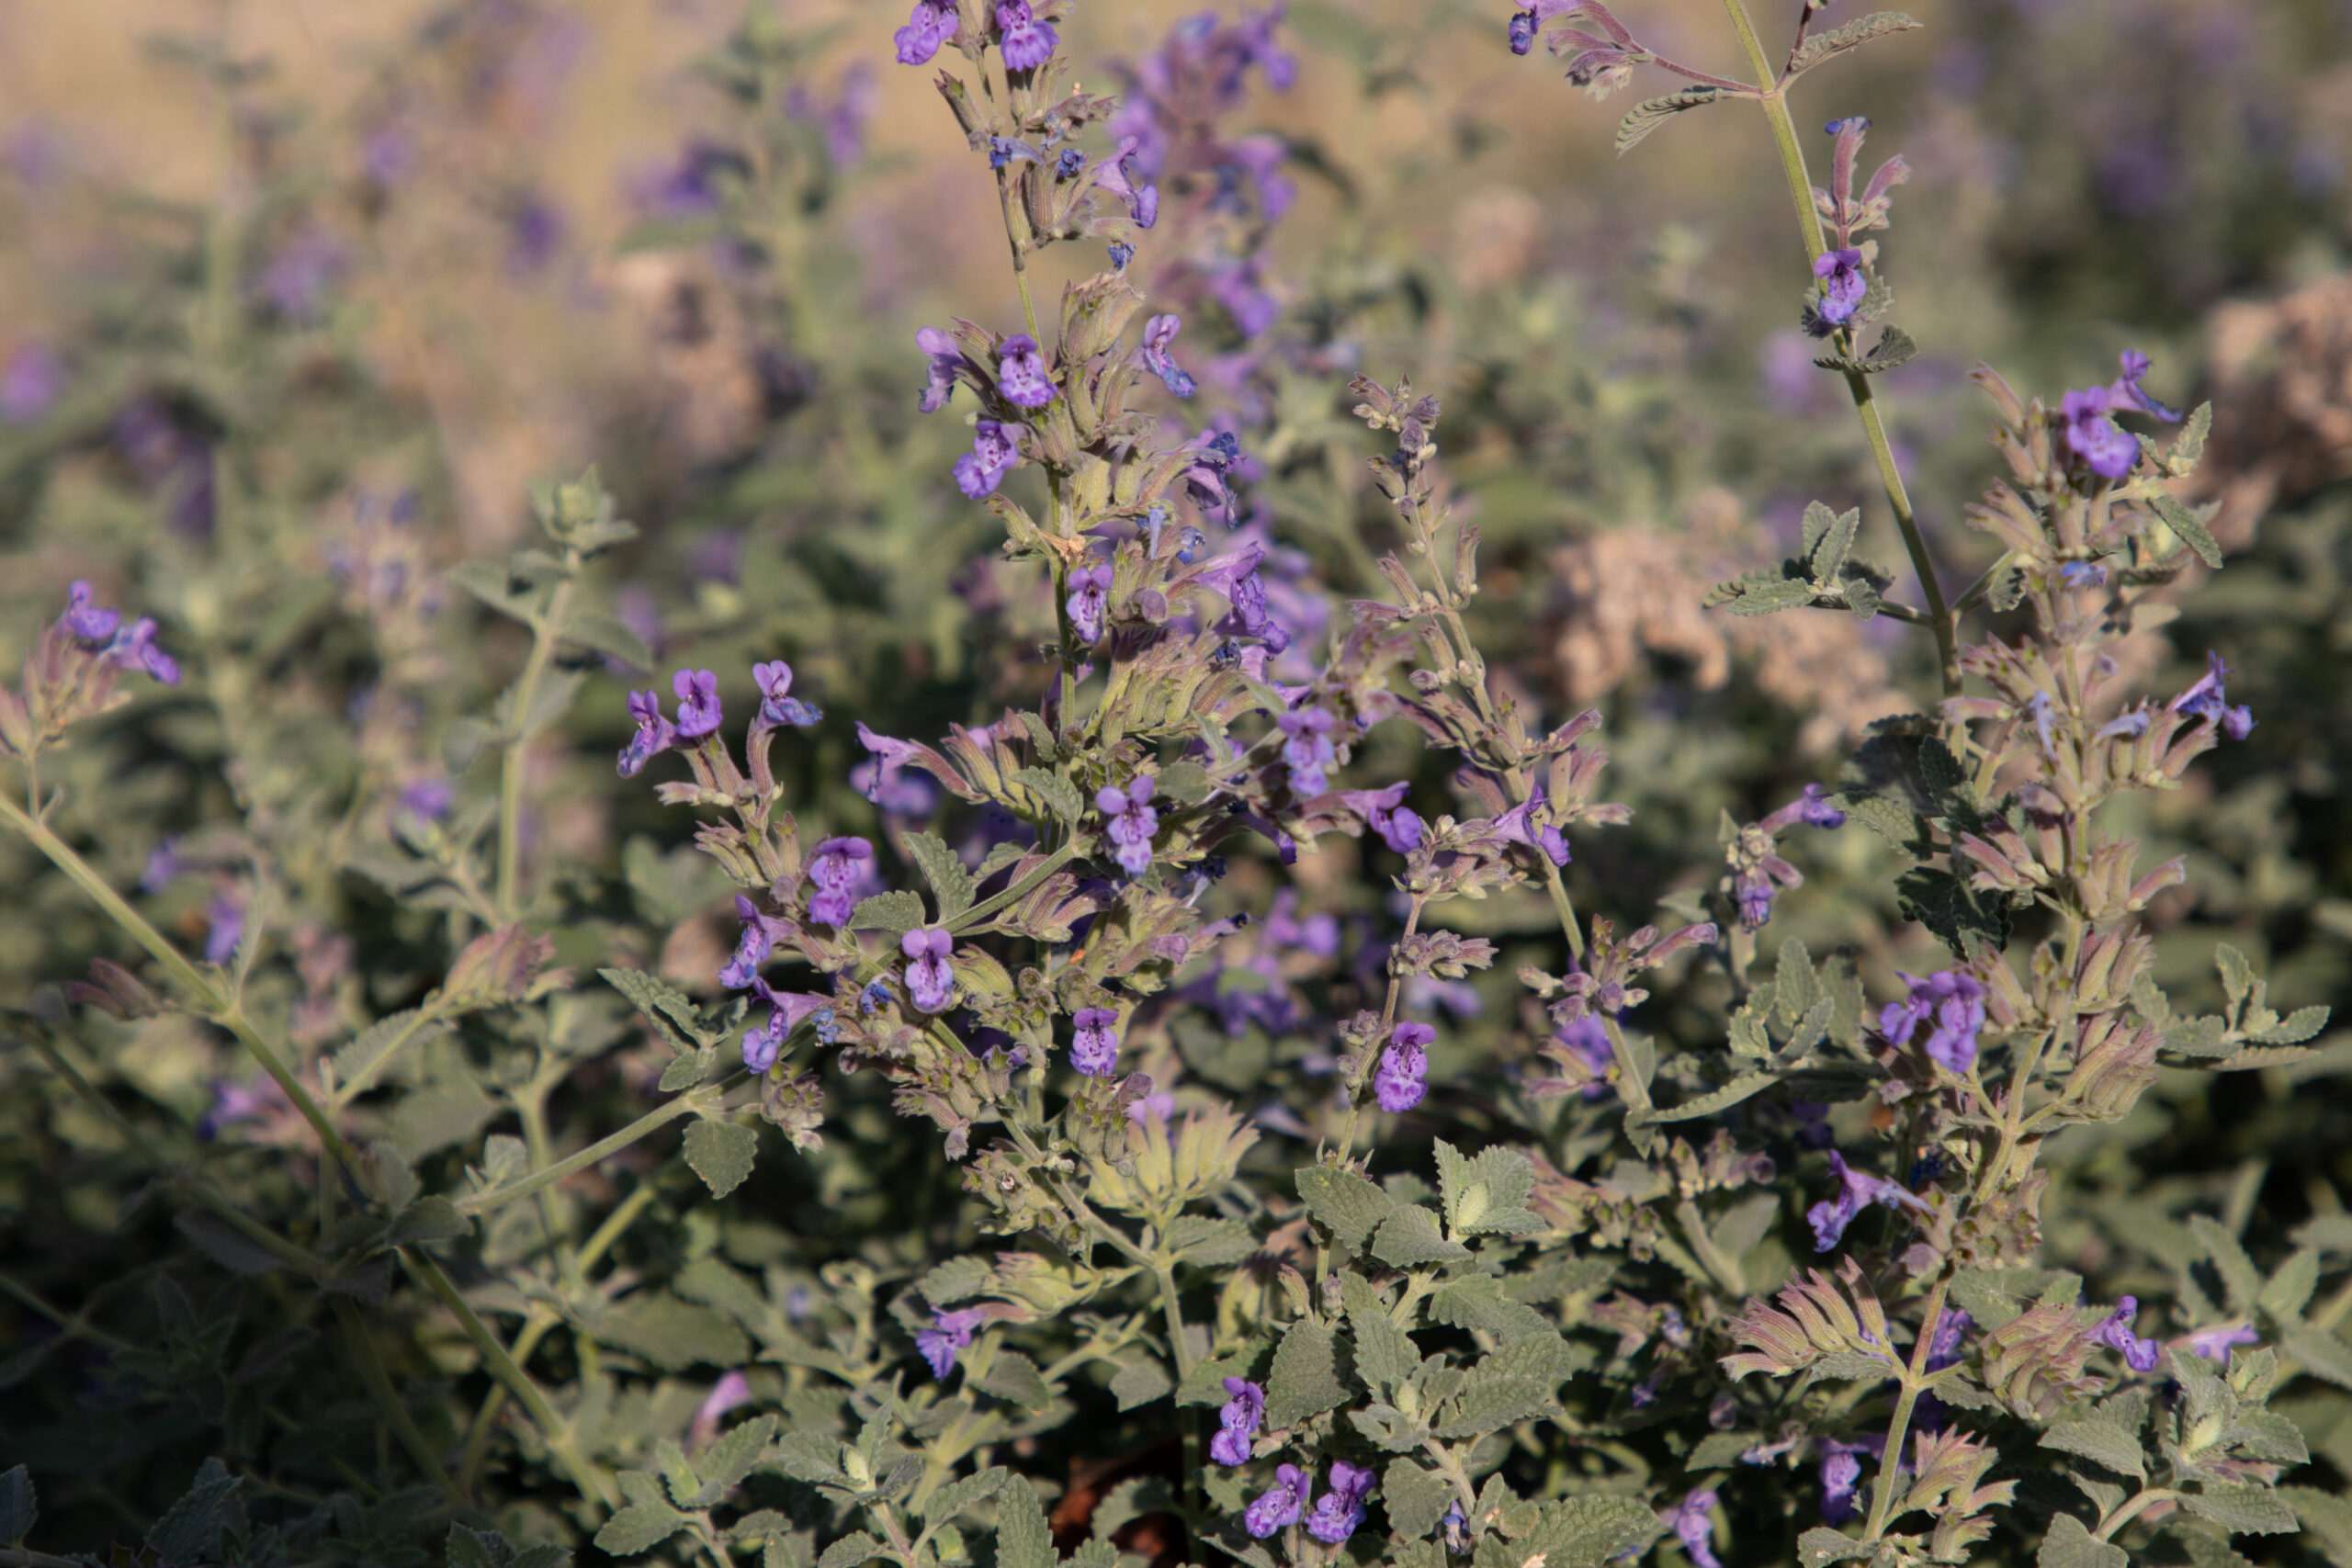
1114 175
2210 700
951 1332
299 272
1089 590
1094 1048
1812 1118
1130 822
2115 1332
842 123
946 359
135 644
88 621
1523 31
1318 933
429 797
1237 1422
1399 825
732 1392
1021 373
224 929
787 1011
1160 1103
163 865
699 712
837 867
654 734
387 155
1307 751
1843 284
1856 1193
31 383
535 232
932 24
1279 1506
1121 254
2097 440
1157 333
1841 1475
1692 1527
1955 1004
1586 1039
2083 574
1812 808
1242 290
689 185
778 704
930 982
1400 1080
1339 1511
1027 42
1943 1347
2214 1343
233 1102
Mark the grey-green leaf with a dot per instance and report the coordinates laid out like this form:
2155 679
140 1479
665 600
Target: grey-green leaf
2070 1544
722 1154
1416 1498
898 911
1409 1236
1651 113
20 1506
951 884
2243 1510
2189 528
1346 1204
2101 1440
1023 1537
1304 1379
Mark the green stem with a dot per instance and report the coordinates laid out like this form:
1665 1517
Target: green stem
2131 1509
1914 1380
686 1104
388 1399
546 628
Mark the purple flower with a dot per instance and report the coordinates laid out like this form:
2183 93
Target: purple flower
788 1010
697 703
1006 151
777 705
2132 724
534 230
1516 826
1523 31
1113 176
1385 813
1121 254
137 645
31 384
1339 1511
1841 1475
90 623
1841 273
1753 895
2214 1343
993 453
2206 700
1586 1039
1955 1004
931 984
1157 333
1400 1082
1812 808
730 1392
2097 440
2083 574
2125 389
752 949
932 24
1943 1347
653 735
946 359
951 1332
1692 1528
1245 1405
1278 1506
1214 453
1089 588
1130 822
1308 750
1021 373
1094 1049
297 275
1856 1193
1027 42
225 930
2115 1332
837 867
429 797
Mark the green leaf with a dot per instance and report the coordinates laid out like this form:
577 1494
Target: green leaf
608 634
1487 1195
2070 1544
1585 1532
2102 1440
730 1458
897 911
1764 599
951 884
20 1506
639 1529
1060 795
1828 538
1409 1236
951 1282
957 1495
1900 826
2190 444
1820 1545
476 1549
672 1334
2296 1027
1346 1204
1207 1241
1140 1381
1416 1498
1014 1377
688 1070
190 1529
670 1009
1510 1385
2239 1276
1651 113
1723 1099
2241 1510
2288 1290
1023 1539
430 1218
488 581
368 1054
1385 1354
2326 1516
1477 1301
1304 1379
2320 1352
2237 974
722 1154
1795 988
847 1552
2187 526
1853 35
1719 1450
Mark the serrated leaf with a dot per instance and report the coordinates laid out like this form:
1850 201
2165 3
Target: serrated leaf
374 1048
189 1530
669 1009
722 1154
1409 1236
1795 988
1585 1532
1014 1377
2326 1517
2101 1440
1208 1241
1023 1537
672 1334
687 1069
1853 1366
609 635
640 1527
1900 826
955 1497
20 1506
1385 1354
2287 1291
1651 113
1304 1379
2187 526
1829 540
1344 1204
2331 1232
1765 599
1140 1381
951 1282
2190 444
1820 1545
2241 1510
951 884
224 1244
1724 1099
2295 1028
1853 35
847 1552
2239 1276
430 1218
898 911
475 1548
1477 1301
2320 1352
1060 795
730 1458
2070 1544
1416 1498
488 581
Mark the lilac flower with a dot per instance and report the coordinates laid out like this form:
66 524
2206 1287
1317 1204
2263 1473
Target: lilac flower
1954 1002
2126 389
1021 373
952 1331
836 868
1754 897
932 24
1237 1423
225 929
730 1392
2214 1343
1523 31
1214 453
931 984
1094 1049
1157 333
1113 174
1121 254
534 230
697 703
1277 1507
1518 826
1027 42
1586 1039
297 276
1692 1528
1943 1346
752 949
1130 822
137 645
994 452
946 359
1308 750
2208 700
1090 595
1841 273
2131 725
1069 165
2115 1332
1339 1511
1812 808
653 735
1841 1475
2039 709
2083 574
778 704
788 1010
31 384
1857 1191
1385 813
1400 1082
1006 151
2097 440
90 623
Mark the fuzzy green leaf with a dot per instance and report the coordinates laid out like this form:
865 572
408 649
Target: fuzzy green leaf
1651 113
1304 1379
1723 1099
847 1552
2102 1440
1140 1381
2243 1510
1409 1236
897 911
957 1497
1060 795
2187 526
2070 1544
1416 1498
1023 1537
640 1527
1385 1354
1853 35
672 1334
669 1009
722 1154
1346 1204
951 884
1820 1545
1585 1532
